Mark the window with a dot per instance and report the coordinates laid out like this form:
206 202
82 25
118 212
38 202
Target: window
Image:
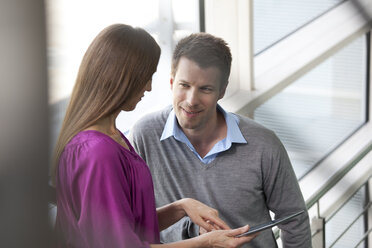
273 19
318 111
308 80
72 25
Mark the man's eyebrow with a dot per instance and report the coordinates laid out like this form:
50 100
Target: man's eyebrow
184 81
201 86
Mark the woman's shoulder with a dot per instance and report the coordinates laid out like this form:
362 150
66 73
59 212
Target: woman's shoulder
92 144
91 154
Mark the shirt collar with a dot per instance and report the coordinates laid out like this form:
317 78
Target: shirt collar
234 134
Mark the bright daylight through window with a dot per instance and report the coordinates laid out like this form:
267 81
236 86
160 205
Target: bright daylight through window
71 28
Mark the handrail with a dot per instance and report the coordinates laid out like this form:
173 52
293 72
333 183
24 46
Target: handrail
314 234
364 237
334 180
349 198
351 224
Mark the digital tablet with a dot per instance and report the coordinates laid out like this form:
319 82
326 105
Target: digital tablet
269 224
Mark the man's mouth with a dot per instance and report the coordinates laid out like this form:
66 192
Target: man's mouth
191 113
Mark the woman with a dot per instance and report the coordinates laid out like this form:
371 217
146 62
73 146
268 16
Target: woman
105 195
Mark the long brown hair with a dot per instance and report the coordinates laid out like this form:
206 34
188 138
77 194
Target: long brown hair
117 65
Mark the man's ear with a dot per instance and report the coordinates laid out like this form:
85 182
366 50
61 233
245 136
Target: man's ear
222 91
171 83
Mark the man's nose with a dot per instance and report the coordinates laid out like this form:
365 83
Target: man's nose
192 97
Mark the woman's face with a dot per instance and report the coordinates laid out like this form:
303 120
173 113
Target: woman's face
132 103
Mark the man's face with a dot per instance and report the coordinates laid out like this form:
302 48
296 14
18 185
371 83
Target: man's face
195 94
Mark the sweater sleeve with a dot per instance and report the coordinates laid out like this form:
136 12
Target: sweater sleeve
283 196
183 229
102 199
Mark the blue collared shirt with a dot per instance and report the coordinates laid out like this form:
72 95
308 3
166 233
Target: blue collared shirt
234 135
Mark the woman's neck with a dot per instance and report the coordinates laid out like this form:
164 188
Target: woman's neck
107 126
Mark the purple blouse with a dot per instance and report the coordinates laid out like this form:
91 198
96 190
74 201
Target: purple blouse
105 195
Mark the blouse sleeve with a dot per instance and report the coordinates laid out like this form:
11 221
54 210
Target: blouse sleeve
102 198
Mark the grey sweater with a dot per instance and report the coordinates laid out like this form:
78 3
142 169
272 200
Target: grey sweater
242 183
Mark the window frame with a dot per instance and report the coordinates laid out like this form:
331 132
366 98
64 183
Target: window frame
280 65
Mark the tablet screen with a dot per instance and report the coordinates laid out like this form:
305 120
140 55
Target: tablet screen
269 224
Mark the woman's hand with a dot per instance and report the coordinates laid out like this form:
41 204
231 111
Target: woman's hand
226 238
214 239
202 215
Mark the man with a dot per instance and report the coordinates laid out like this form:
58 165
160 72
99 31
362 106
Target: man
195 149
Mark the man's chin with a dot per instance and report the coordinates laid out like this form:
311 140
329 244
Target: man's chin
187 125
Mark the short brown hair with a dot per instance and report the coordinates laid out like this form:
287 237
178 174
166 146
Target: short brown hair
207 51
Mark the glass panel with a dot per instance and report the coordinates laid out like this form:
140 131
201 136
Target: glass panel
275 19
321 109
71 28
186 18
344 218
185 11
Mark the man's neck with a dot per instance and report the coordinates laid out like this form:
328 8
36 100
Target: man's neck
204 139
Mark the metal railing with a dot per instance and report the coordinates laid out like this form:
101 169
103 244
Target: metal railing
362 214
321 230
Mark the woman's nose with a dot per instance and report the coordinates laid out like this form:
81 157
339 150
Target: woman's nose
149 86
